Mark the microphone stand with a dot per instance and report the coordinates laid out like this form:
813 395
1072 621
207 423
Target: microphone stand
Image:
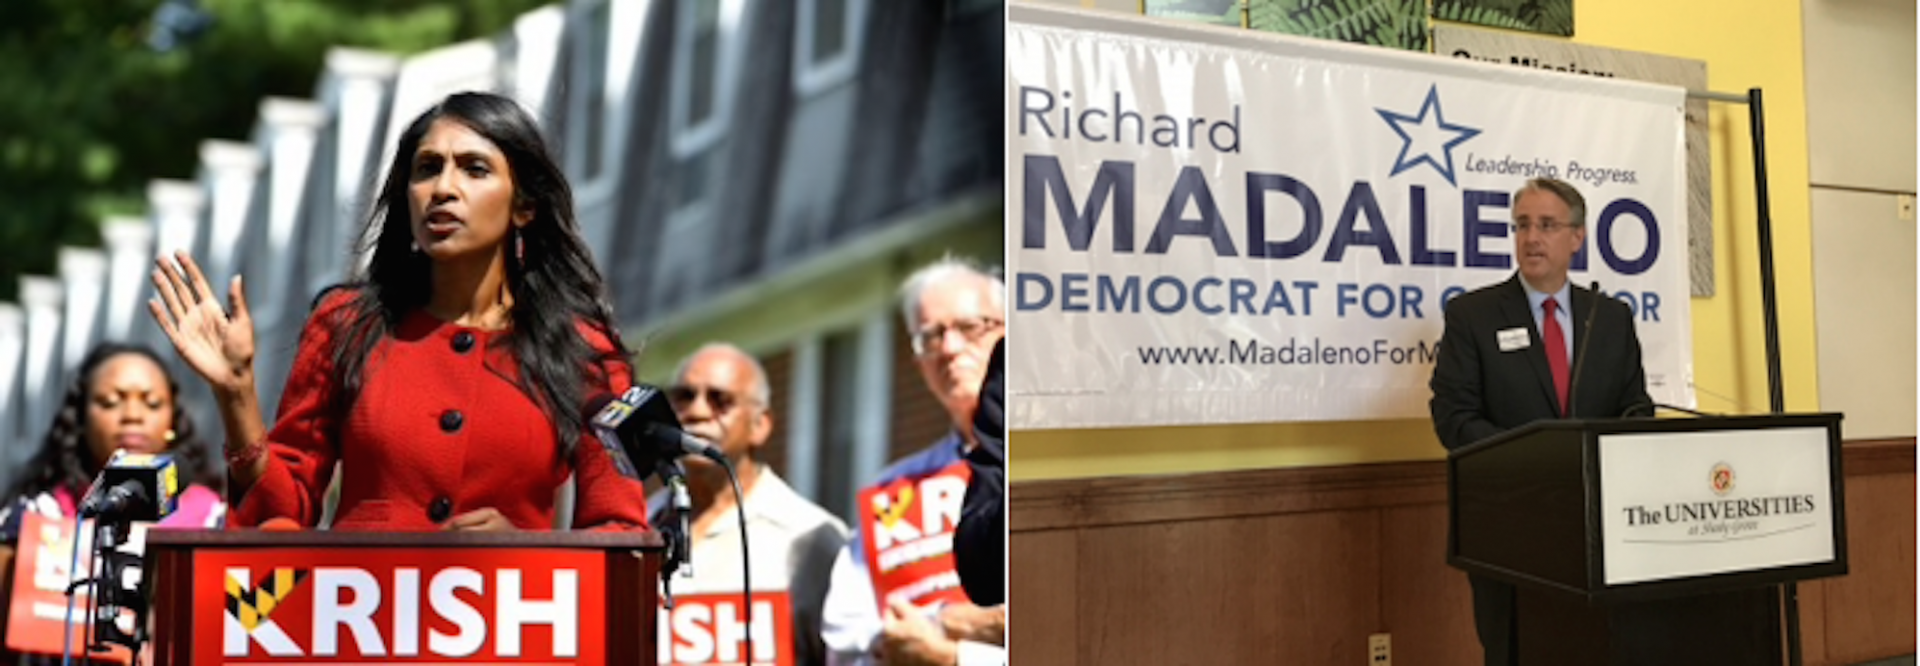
678 531
680 538
1580 357
108 597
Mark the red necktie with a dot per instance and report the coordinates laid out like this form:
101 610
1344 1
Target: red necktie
1556 342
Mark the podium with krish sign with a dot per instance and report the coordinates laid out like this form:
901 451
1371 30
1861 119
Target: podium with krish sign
315 597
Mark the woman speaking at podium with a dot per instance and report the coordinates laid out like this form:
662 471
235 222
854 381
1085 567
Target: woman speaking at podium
448 379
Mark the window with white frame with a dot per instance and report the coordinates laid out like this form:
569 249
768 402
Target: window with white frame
703 66
840 405
826 49
588 106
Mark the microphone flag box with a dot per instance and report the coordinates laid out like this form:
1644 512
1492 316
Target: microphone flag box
154 472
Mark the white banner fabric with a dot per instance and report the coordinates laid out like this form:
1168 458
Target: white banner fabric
1220 226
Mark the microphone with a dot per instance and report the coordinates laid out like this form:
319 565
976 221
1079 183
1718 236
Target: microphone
134 487
1652 407
1580 355
640 427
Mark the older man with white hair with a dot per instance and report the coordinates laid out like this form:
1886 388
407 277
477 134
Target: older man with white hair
902 604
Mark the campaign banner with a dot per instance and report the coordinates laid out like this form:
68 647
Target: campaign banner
710 629
906 530
1212 226
43 568
442 606
1516 49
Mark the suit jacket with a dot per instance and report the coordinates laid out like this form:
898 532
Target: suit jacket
980 540
440 427
1480 391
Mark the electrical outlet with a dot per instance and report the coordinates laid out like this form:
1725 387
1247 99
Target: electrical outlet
1906 207
1380 650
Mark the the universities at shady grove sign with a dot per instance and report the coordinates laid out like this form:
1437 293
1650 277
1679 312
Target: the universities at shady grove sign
1217 226
1684 504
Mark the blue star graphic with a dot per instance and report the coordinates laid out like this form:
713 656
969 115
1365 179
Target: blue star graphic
1440 129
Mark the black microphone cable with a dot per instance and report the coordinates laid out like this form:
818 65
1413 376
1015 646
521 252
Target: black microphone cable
746 560
66 634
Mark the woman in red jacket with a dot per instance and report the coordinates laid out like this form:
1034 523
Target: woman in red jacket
448 379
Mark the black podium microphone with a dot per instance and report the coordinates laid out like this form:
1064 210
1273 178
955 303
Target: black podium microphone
134 487
639 428
1580 355
1653 407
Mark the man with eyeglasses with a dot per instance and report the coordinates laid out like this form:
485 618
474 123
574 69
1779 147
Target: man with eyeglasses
1506 359
720 394
895 598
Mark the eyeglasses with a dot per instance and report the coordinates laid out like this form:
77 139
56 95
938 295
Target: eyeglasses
972 329
1543 227
719 400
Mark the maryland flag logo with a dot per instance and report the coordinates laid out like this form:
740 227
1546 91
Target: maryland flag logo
251 606
891 509
250 610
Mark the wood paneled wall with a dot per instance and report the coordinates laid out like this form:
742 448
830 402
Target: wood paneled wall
1300 565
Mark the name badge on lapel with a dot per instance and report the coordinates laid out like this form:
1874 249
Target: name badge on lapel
1514 338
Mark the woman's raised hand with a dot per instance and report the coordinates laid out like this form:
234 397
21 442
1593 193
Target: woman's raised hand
215 342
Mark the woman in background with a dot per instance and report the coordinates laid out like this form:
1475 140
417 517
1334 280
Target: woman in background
121 398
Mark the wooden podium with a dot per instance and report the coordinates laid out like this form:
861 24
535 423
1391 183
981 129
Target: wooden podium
315 597
1651 541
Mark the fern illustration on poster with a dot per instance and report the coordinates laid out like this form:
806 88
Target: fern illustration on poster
1398 24
1210 12
1552 17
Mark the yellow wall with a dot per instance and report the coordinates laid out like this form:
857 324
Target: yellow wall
1745 44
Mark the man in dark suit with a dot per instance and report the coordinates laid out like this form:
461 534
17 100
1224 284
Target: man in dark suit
1506 359
980 540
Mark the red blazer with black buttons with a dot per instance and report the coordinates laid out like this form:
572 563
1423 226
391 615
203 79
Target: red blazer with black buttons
439 429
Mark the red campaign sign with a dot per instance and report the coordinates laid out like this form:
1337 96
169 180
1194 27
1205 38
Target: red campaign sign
40 579
452 605
907 535
710 630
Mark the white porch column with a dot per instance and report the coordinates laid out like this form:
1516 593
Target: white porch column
129 246
83 273
229 169
40 388
355 91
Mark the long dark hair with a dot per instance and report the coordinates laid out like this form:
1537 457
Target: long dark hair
555 288
64 458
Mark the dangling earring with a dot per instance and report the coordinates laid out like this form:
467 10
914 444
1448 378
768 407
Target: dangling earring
519 246
170 436
413 246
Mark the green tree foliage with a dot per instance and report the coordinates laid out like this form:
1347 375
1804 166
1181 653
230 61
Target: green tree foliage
1553 17
1399 24
91 112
